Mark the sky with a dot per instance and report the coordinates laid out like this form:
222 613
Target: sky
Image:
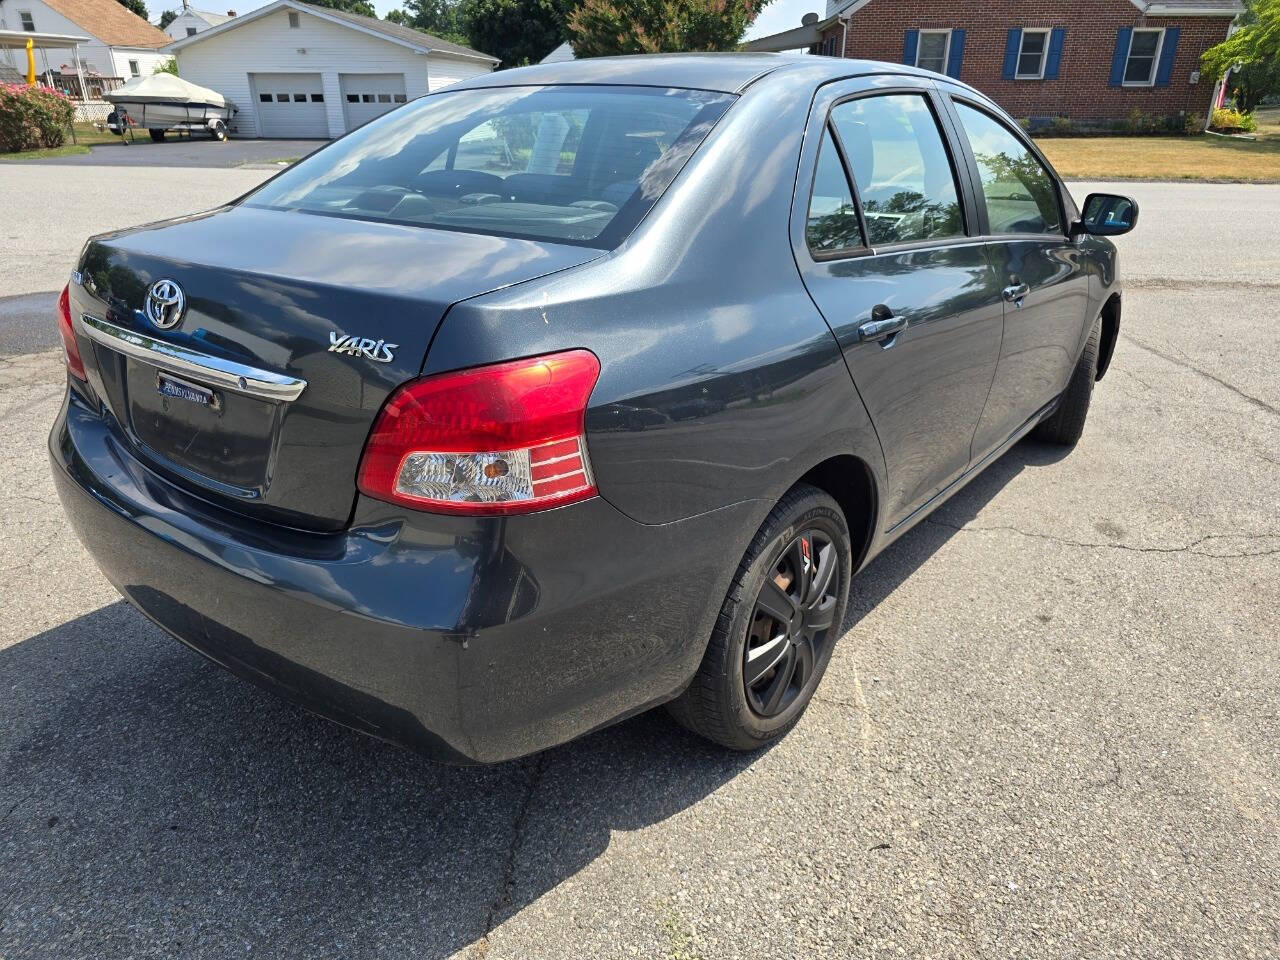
778 15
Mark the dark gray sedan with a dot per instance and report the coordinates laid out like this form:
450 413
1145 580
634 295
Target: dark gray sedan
574 390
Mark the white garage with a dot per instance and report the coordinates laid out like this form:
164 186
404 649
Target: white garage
295 70
290 105
369 95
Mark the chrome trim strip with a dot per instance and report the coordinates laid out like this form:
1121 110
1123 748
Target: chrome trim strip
227 374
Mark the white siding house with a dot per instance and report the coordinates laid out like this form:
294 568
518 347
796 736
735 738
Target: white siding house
121 45
296 70
192 21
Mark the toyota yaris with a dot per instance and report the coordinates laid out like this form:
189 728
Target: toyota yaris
574 390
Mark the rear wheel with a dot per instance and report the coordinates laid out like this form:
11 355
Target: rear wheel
1066 426
156 135
777 627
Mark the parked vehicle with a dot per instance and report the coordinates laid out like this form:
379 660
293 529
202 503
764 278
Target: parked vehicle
479 450
164 102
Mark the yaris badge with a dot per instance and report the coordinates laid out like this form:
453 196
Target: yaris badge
376 350
166 303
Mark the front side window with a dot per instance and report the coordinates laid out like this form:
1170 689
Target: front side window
1144 49
901 168
931 54
28 22
1035 43
577 164
833 219
1021 195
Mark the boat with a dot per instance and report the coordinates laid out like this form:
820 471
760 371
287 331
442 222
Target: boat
164 102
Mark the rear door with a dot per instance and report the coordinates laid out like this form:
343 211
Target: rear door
887 246
1046 289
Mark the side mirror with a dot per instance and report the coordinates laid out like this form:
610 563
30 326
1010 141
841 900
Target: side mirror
1106 215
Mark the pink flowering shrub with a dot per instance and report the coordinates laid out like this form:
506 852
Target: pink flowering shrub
32 117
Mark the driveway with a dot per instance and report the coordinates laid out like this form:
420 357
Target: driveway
197 151
1051 729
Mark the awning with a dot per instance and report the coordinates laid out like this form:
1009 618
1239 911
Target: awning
17 40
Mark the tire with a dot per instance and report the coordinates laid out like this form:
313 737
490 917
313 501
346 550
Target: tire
1067 423
218 130
720 704
156 135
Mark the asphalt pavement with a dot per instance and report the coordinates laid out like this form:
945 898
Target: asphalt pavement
1051 728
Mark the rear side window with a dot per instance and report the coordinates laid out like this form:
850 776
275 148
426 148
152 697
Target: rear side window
576 164
833 218
1021 196
901 167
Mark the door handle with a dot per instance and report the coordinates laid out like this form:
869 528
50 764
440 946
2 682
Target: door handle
1014 294
883 325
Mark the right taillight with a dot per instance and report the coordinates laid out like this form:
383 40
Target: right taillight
501 439
70 349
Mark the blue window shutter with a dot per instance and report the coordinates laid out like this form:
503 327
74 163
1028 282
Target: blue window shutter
1056 39
1123 36
910 44
1011 49
1167 52
956 59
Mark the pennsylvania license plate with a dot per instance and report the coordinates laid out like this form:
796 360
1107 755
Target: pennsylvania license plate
170 386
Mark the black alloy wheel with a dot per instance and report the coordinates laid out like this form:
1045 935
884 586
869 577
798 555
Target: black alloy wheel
789 626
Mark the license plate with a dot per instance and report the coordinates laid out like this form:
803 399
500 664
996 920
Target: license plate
168 385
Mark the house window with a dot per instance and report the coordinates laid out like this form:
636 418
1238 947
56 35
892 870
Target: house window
28 23
1031 55
400 98
317 98
191 31
933 50
264 97
294 20
1144 53
133 68
353 98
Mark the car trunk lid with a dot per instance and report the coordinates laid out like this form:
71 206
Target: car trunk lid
296 329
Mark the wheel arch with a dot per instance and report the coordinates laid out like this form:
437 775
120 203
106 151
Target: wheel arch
849 480
1110 318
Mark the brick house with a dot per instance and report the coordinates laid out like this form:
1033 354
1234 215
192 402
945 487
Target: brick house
1094 61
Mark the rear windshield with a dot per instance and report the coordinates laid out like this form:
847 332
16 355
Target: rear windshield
575 164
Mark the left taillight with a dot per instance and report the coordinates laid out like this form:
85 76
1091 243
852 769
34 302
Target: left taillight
70 349
501 439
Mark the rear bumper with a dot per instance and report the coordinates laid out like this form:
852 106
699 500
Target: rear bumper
469 640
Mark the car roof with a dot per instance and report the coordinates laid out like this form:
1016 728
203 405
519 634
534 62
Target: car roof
722 72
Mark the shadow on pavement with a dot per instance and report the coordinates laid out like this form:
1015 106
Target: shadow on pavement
152 804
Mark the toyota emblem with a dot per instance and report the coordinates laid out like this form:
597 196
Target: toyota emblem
166 303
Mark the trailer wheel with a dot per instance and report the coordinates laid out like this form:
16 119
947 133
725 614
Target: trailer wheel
219 130
156 135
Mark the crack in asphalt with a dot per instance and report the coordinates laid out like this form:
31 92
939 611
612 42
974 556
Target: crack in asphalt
1185 548
506 873
1178 283
1186 364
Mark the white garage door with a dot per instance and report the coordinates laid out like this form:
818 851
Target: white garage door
290 104
369 95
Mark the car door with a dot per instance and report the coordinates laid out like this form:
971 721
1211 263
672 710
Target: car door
1046 288
887 246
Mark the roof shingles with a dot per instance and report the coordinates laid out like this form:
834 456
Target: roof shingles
110 22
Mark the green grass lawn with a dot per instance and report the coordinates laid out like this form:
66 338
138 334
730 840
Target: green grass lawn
86 136
1171 158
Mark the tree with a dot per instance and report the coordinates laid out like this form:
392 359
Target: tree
599 28
137 6
516 31
1257 42
167 18
440 18
169 66
362 7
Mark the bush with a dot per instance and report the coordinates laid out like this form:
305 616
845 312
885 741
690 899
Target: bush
1062 126
1193 125
32 117
1232 121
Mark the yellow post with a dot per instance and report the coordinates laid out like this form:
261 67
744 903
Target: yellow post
31 64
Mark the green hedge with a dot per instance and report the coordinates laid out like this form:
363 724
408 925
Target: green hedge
32 117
